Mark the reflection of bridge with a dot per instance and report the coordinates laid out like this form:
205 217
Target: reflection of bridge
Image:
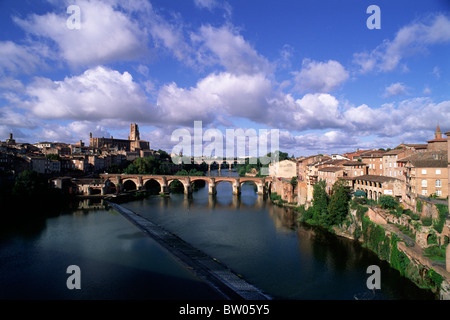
128 182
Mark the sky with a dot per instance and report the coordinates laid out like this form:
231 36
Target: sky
315 70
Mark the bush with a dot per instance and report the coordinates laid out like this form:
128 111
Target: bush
427 221
439 224
419 205
357 201
387 202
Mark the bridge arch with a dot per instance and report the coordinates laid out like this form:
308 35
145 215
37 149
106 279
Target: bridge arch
254 184
129 185
153 185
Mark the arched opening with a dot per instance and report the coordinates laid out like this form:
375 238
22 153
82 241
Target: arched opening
198 184
432 239
152 186
176 186
95 191
370 194
249 186
129 185
446 241
224 187
111 188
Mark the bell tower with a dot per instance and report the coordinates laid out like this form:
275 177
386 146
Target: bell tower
134 132
438 133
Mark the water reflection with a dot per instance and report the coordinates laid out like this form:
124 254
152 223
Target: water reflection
267 245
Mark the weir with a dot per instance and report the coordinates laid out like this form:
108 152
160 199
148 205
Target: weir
219 276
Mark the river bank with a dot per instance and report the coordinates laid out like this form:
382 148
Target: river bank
390 245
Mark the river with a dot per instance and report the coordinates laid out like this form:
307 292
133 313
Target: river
256 239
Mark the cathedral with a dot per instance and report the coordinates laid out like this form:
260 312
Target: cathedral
133 144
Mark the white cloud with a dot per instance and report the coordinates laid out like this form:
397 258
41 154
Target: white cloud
106 34
320 76
409 40
226 47
224 93
214 4
99 93
19 59
11 118
395 89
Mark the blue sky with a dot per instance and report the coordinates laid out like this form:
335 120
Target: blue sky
311 69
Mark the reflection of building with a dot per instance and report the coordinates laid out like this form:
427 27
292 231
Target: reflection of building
133 144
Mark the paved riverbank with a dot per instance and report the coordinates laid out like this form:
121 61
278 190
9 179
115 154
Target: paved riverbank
224 280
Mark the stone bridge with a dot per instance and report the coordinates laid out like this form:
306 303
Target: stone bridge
128 182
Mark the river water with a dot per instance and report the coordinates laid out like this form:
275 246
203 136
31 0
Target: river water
256 239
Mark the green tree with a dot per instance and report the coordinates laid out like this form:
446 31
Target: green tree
339 203
30 184
319 208
294 183
387 202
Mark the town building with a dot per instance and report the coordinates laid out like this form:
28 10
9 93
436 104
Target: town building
283 169
330 174
392 164
375 186
374 161
426 175
438 143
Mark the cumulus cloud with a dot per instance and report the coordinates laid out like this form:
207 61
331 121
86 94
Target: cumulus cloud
106 34
98 93
409 40
223 93
19 59
226 47
395 89
320 76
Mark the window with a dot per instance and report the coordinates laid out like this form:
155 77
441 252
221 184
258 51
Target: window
424 183
381 166
438 193
424 171
438 171
438 183
424 192
390 164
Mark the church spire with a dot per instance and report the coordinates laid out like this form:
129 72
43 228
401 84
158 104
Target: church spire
438 133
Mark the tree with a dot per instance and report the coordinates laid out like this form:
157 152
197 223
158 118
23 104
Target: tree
387 202
339 203
30 184
294 183
319 208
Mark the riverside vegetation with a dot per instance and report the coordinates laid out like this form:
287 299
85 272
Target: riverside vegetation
344 214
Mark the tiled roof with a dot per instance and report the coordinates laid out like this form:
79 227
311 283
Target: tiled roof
374 178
